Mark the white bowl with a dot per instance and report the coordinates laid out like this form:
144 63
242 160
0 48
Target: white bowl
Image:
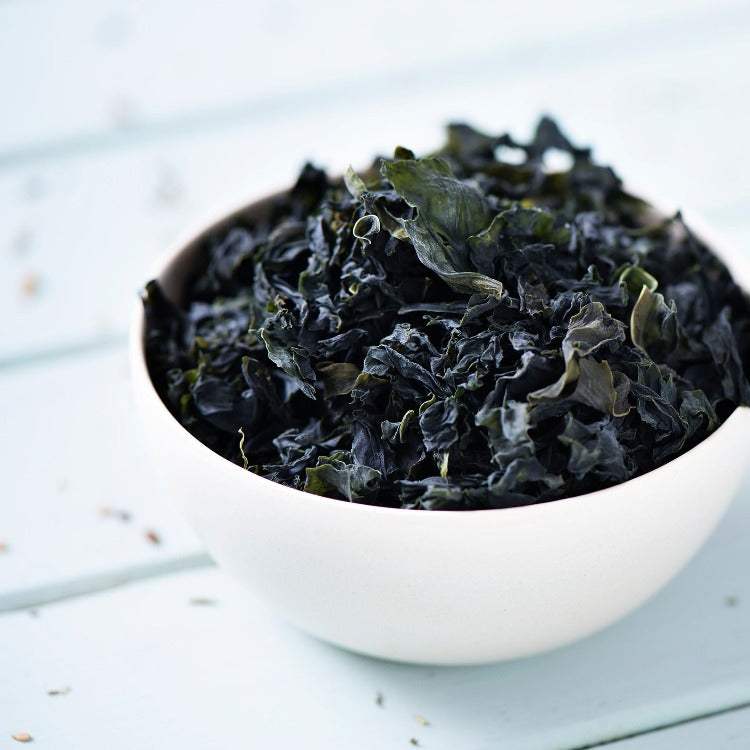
444 587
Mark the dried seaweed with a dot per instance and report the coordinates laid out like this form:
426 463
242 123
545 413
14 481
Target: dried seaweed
454 332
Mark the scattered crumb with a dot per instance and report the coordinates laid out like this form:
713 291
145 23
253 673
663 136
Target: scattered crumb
731 601
202 601
62 690
3 546
113 30
153 537
21 242
122 113
121 515
414 741
33 612
21 737
62 484
379 700
168 190
421 720
29 285
34 188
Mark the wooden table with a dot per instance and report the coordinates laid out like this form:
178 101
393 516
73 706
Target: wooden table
123 125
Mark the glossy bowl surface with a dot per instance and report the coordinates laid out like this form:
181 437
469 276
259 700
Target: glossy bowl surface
443 587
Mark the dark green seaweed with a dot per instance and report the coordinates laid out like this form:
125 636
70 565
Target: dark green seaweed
454 332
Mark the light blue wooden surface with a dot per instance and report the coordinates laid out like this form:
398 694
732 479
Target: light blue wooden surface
149 669
125 124
726 732
74 461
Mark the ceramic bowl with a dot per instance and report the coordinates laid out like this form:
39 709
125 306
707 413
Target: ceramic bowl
443 587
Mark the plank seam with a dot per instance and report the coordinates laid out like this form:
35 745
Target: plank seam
98 582
57 353
665 726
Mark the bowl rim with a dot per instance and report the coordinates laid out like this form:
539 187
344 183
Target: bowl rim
738 266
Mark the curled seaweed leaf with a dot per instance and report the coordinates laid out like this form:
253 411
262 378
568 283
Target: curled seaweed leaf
650 319
366 227
354 183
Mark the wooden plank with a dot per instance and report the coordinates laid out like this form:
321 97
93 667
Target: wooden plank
78 493
728 731
149 669
70 75
79 235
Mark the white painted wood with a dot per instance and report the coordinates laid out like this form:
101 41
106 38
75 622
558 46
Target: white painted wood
71 448
87 228
72 72
148 669
726 732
